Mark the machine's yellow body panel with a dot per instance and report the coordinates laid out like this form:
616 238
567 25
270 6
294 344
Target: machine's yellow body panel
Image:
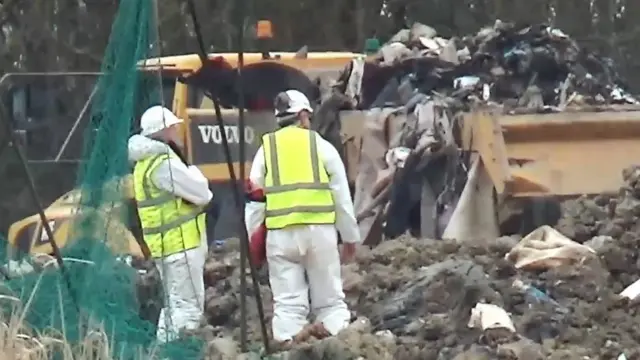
558 154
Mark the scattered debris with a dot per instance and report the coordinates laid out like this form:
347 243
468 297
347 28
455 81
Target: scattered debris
420 293
547 248
490 316
632 291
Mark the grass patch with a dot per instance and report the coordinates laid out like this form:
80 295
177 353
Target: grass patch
18 341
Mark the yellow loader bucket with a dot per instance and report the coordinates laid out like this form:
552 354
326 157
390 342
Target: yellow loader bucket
563 154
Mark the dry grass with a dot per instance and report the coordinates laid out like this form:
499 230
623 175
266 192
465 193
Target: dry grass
19 342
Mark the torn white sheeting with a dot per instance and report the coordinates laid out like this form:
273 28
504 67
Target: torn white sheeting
435 43
473 218
546 248
354 84
383 129
490 316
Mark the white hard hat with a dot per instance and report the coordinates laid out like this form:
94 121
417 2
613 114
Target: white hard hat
291 102
157 118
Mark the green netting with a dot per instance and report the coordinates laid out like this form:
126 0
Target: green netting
95 296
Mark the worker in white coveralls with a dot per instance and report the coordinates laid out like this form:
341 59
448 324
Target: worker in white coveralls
171 197
307 198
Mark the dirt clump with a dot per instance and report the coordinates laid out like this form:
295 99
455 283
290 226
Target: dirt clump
611 225
604 215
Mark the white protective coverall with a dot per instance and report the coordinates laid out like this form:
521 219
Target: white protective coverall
314 248
182 273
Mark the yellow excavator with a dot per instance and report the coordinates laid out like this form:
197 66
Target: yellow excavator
520 157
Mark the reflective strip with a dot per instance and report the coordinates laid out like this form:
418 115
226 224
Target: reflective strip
149 201
301 209
277 186
296 186
164 198
273 155
315 166
172 224
155 201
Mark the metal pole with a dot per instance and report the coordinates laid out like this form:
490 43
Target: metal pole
237 191
241 155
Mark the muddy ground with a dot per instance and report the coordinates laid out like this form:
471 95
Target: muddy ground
417 295
427 311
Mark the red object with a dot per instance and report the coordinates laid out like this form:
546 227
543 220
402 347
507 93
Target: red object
258 239
258 246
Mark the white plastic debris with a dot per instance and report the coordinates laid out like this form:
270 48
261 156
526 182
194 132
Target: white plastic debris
430 44
397 156
486 92
387 334
490 316
465 81
464 54
619 94
127 259
557 33
632 291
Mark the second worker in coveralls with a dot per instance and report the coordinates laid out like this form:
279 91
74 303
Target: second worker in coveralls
307 199
171 197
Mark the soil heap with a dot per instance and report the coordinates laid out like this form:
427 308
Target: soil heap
417 295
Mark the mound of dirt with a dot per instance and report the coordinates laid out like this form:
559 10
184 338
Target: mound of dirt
417 296
413 297
611 225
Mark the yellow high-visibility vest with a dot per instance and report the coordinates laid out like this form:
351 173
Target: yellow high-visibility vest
296 184
169 224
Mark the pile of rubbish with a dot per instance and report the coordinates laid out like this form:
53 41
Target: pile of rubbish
534 67
561 293
424 299
417 90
